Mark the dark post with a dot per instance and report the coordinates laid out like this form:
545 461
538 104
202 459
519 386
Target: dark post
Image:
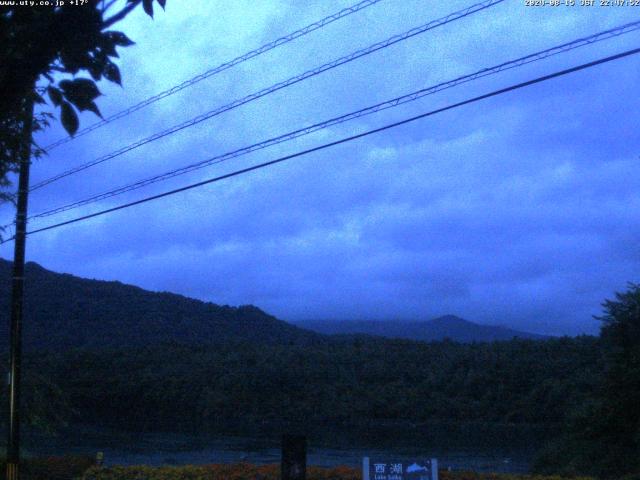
17 290
294 457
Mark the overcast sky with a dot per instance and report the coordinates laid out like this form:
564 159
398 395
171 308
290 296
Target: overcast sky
521 210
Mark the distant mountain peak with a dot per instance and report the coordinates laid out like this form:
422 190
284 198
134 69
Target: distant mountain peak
449 320
444 327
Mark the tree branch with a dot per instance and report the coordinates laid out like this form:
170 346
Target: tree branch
121 14
107 6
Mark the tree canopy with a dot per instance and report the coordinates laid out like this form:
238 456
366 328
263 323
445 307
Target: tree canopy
43 49
602 435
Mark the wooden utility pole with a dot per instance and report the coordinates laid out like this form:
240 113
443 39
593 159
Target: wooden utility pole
17 294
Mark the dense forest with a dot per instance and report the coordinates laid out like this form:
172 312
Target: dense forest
347 382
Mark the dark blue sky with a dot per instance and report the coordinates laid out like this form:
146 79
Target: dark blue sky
522 210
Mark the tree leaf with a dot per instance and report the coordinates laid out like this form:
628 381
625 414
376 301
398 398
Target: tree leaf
80 87
109 48
94 108
148 7
87 88
162 3
112 73
95 70
119 39
69 118
65 84
55 95
81 92
37 99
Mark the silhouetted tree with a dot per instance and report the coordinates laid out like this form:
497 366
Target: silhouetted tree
42 49
621 388
603 433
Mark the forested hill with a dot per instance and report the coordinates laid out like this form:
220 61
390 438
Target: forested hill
63 311
441 328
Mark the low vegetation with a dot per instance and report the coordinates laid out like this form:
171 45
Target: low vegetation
268 472
52 468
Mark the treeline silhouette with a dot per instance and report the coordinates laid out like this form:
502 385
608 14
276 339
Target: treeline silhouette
349 381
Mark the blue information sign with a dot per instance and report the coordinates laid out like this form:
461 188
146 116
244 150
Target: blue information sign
385 469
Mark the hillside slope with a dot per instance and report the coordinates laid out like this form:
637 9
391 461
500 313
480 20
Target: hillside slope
63 311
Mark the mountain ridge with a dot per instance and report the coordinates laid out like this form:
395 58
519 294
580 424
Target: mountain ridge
437 329
63 311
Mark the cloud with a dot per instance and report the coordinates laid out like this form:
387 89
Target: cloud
518 210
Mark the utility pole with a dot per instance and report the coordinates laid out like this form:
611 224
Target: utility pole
17 293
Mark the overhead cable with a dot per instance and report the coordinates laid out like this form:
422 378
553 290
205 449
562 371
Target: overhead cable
220 68
276 87
494 93
591 39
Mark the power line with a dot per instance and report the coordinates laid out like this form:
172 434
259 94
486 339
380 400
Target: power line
607 34
343 140
278 86
220 68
